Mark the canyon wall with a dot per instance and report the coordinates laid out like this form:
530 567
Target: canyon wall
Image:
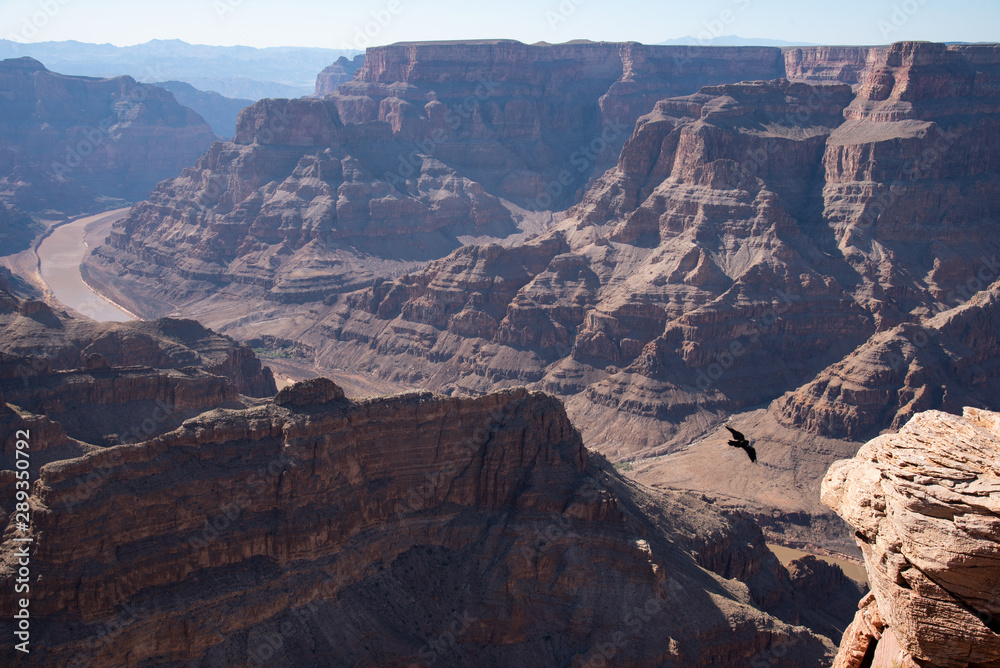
818 256
340 72
315 530
110 383
70 144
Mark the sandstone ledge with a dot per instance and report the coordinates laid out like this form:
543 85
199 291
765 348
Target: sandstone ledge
926 506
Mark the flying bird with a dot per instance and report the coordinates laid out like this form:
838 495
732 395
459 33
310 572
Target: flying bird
740 441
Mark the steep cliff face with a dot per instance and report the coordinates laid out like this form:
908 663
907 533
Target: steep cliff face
66 142
317 530
818 255
925 505
340 72
298 207
399 165
910 195
832 64
631 303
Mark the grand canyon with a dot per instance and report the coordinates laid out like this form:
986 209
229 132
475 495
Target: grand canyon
438 365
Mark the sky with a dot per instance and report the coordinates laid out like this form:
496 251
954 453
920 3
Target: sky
362 23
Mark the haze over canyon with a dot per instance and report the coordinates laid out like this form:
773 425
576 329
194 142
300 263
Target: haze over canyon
434 365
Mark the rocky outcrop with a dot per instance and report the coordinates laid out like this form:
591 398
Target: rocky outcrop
109 383
340 72
67 142
924 503
386 531
831 64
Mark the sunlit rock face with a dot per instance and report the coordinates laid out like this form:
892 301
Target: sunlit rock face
924 503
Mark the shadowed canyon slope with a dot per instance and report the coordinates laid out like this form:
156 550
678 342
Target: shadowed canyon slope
367 531
177 520
817 256
71 144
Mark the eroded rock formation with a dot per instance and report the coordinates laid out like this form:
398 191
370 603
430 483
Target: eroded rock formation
319 530
925 504
340 72
319 197
67 142
824 251
109 383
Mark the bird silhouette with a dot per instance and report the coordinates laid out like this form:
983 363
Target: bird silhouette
740 441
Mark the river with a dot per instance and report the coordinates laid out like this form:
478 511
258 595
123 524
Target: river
853 570
59 258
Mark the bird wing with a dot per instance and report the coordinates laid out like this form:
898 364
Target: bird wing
752 453
737 435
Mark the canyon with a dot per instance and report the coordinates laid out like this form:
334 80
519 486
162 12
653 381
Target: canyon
806 253
308 527
74 144
578 264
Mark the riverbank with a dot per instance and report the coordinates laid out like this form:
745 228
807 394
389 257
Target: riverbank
60 252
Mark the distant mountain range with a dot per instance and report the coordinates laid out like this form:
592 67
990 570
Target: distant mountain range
233 71
732 40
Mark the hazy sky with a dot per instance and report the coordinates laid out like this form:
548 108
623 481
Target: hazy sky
343 24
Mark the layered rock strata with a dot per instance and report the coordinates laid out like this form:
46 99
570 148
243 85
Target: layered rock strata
342 71
108 383
414 154
924 503
823 252
318 530
69 144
